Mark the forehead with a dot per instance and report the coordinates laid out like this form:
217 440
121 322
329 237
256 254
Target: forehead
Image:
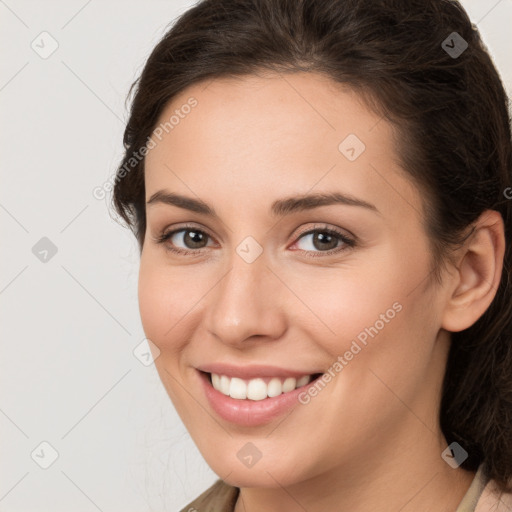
265 134
272 113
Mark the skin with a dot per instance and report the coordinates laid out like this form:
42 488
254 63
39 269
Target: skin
370 440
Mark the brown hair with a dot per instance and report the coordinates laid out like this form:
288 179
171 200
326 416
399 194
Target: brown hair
450 115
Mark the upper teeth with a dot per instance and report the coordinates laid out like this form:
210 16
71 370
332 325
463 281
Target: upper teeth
256 389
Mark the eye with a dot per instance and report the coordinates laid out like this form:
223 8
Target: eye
320 241
185 240
324 240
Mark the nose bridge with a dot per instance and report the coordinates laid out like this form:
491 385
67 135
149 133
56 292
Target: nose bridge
245 302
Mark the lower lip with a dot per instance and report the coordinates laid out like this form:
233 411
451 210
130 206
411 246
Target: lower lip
249 413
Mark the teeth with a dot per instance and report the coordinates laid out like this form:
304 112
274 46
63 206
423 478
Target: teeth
303 381
274 387
224 385
256 389
289 384
237 388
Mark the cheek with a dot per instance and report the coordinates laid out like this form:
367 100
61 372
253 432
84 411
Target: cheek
355 303
165 304
165 298
381 315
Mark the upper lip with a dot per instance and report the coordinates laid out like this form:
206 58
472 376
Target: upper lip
251 371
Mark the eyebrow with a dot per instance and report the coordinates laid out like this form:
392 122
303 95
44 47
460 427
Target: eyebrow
280 207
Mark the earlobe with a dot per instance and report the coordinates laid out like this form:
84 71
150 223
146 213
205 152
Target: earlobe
478 274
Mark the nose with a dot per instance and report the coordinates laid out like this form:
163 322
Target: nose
247 304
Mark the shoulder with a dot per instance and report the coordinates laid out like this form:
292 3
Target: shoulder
219 497
493 500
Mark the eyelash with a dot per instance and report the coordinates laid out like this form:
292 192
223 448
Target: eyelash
348 242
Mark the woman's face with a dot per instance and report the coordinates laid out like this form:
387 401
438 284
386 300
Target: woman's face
269 286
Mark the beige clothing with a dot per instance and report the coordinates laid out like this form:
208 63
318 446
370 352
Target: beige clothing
481 496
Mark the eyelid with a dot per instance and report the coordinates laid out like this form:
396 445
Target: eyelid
181 227
326 227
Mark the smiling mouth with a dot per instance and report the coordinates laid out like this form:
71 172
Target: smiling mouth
258 388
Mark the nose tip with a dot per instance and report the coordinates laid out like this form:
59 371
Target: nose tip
246 304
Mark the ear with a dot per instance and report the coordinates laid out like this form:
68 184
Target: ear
476 279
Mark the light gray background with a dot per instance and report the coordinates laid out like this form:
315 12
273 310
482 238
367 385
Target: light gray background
68 373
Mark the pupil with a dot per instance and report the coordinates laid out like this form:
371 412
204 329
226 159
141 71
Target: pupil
322 238
195 238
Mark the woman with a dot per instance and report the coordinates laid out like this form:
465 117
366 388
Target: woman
319 193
